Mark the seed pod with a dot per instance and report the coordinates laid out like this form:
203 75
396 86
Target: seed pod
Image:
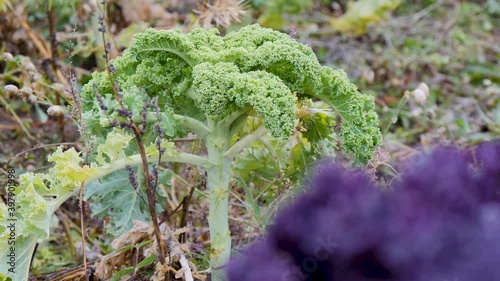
67 94
35 76
55 110
32 98
419 96
7 57
59 87
28 65
10 89
26 91
422 86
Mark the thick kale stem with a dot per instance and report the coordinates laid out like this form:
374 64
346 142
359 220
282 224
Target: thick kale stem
244 142
192 124
136 160
219 175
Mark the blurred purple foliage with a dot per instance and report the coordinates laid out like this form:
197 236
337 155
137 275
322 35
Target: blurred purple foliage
440 222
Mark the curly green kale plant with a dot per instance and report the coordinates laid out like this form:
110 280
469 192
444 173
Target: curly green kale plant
209 86
25 218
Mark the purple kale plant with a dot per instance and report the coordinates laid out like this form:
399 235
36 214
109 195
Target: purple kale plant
440 222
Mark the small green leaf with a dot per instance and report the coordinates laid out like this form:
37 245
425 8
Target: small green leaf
147 261
123 272
143 243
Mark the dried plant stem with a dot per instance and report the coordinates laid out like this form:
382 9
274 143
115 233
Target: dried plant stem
185 267
82 229
67 232
53 61
34 38
36 41
176 251
150 191
201 185
83 131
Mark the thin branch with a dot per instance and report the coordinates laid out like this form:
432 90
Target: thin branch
192 124
67 232
53 61
150 192
82 187
244 142
202 182
83 130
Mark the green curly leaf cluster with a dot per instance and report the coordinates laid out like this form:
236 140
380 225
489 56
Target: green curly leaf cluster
206 76
222 89
36 199
39 195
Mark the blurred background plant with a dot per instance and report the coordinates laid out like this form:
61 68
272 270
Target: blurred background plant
432 66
